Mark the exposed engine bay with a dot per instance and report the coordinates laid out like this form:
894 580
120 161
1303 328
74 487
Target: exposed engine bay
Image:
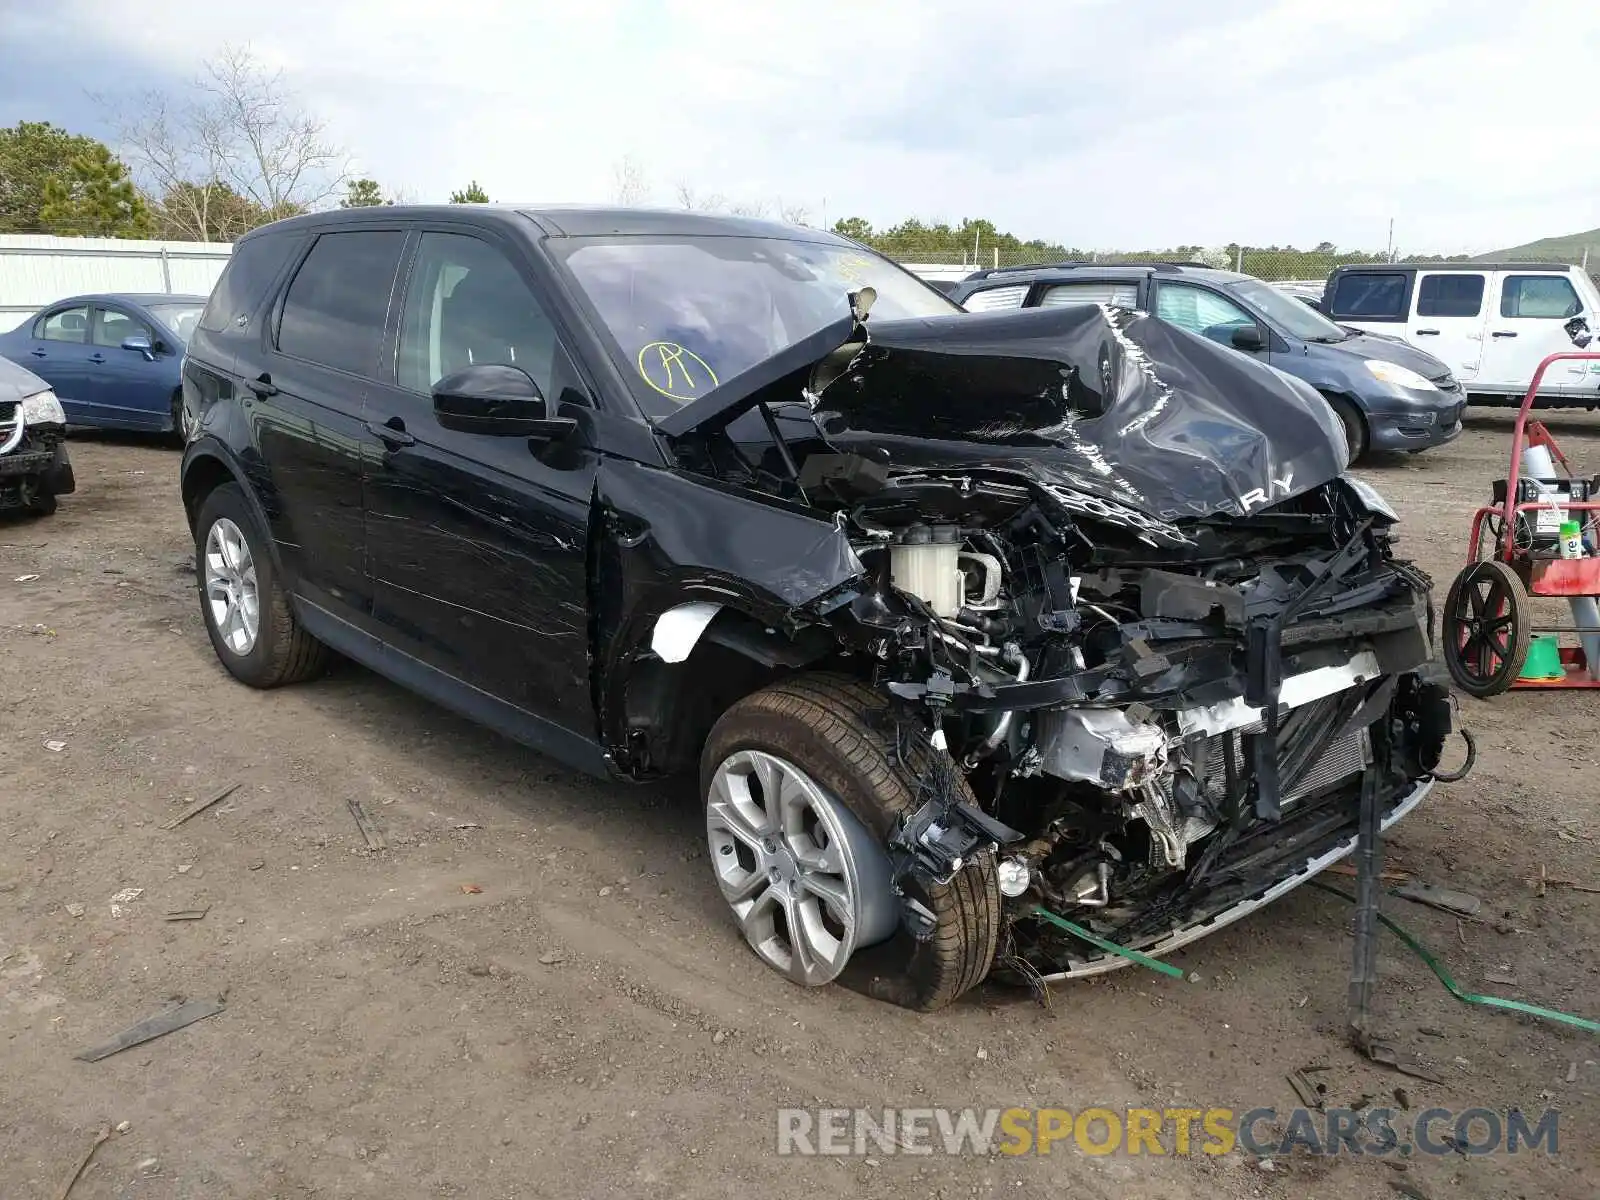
1118 578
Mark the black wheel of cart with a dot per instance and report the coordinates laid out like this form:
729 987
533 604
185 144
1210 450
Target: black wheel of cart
1487 628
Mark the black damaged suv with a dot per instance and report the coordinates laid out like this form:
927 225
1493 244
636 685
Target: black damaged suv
959 617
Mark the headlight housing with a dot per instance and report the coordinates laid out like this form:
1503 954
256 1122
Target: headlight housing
1371 497
42 408
1397 376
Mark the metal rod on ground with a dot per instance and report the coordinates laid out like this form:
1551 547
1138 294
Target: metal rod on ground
1369 887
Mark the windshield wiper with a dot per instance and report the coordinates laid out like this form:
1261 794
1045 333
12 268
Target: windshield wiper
1330 340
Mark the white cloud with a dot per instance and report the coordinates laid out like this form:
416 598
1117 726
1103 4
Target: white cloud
1093 123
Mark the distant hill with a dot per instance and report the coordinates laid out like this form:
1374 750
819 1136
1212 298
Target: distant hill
1569 248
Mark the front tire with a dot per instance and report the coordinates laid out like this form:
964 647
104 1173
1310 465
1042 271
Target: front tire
838 735
1355 429
246 611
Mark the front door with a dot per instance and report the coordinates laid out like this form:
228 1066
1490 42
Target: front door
1526 322
477 542
1448 322
1203 311
123 387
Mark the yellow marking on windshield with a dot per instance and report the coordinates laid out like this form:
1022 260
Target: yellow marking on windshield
668 368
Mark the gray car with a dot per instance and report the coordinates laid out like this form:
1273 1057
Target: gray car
34 467
1389 396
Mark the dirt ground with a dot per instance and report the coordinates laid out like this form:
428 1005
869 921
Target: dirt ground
536 990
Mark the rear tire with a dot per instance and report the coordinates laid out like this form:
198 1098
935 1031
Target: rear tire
179 421
43 504
841 733
278 651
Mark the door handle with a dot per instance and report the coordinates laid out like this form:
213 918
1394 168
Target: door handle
261 385
392 433
97 357
1427 332
1504 333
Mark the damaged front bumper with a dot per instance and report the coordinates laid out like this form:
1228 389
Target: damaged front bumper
34 463
1198 925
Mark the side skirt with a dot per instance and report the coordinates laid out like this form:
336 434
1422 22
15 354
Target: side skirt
508 720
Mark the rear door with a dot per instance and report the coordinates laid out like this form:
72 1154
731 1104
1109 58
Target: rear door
477 542
59 354
319 356
123 387
1449 319
1526 318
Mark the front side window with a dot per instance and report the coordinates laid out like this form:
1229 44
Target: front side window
1450 294
1124 295
466 304
115 327
1370 296
1201 311
67 325
1543 296
334 312
685 313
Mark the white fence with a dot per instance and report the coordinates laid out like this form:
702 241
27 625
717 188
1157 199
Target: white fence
36 270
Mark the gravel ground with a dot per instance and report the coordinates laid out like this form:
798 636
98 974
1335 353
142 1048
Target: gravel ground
536 990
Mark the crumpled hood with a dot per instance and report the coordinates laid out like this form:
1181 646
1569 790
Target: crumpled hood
17 382
1102 401
1102 406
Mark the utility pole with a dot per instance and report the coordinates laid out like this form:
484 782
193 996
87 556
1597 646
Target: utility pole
1390 254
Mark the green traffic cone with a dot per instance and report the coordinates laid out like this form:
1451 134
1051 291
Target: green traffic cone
1544 660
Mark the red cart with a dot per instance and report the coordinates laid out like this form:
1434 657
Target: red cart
1488 621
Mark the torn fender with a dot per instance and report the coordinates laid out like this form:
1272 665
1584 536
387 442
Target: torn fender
663 539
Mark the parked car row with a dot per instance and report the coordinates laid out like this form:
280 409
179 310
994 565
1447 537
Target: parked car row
1388 396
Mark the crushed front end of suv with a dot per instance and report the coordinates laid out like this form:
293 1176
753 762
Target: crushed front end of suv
962 619
1133 640
34 467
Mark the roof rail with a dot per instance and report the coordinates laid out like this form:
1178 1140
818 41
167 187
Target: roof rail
985 272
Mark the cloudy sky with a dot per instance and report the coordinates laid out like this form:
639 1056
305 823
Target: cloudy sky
1090 122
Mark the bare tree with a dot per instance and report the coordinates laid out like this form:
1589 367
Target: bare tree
748 208
704 201
629 184
237 149
795 214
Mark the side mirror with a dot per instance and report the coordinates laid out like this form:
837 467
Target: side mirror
1247 337
1578 330
138 342
498 400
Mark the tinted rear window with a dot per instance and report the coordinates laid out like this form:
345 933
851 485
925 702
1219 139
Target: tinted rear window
334 312
250 271
1450 295
1370 296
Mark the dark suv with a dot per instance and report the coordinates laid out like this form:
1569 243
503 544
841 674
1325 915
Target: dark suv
1388 395
957 616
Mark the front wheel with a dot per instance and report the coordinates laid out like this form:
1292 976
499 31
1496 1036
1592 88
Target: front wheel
1487 628
245 609
804 784
1355 429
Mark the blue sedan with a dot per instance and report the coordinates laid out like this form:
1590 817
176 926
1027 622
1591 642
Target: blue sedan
113 360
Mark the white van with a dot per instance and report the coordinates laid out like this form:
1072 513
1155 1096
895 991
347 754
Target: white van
1491 322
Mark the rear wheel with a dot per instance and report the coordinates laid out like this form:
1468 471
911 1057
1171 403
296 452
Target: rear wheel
803 787
1487 628
245 608
180 424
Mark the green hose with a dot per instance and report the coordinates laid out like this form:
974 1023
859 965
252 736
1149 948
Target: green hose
1456 989
1416 947
1144 960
